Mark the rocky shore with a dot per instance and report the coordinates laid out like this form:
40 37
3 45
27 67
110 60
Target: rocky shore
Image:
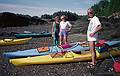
104 67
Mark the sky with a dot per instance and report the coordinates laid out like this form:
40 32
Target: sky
41 7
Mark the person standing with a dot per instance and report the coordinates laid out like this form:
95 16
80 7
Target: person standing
55 30
65 27
92 34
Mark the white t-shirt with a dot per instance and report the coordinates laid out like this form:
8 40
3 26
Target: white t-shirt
64 25
94 22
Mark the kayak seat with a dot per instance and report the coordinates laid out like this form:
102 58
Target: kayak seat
8 40
66 46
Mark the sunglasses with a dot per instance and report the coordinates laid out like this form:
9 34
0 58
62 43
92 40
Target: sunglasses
90 12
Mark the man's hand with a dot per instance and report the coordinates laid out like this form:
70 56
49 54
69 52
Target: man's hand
92 34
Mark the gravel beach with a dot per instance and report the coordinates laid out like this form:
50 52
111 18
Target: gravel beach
103 68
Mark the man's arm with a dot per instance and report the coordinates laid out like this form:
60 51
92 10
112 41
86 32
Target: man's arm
98 28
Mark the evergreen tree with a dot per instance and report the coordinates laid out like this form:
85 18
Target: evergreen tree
107 7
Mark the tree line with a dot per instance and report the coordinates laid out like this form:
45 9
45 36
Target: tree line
103 8
8 19
106 7
71 16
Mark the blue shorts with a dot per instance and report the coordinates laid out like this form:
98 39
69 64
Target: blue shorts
63 33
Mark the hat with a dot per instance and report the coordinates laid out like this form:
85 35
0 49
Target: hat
63 16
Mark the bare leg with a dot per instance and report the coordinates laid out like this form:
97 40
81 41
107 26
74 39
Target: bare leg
60 40
65 39
92 49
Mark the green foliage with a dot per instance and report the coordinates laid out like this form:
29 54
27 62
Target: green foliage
71 16
46 16
114 6
11 19
106 7
8 19
101 7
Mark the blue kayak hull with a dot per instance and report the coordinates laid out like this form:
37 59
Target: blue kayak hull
113 43
52 49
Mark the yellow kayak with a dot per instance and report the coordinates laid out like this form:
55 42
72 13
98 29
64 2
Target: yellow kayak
61 58
14 41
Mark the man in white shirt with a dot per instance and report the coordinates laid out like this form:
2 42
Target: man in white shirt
92 34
